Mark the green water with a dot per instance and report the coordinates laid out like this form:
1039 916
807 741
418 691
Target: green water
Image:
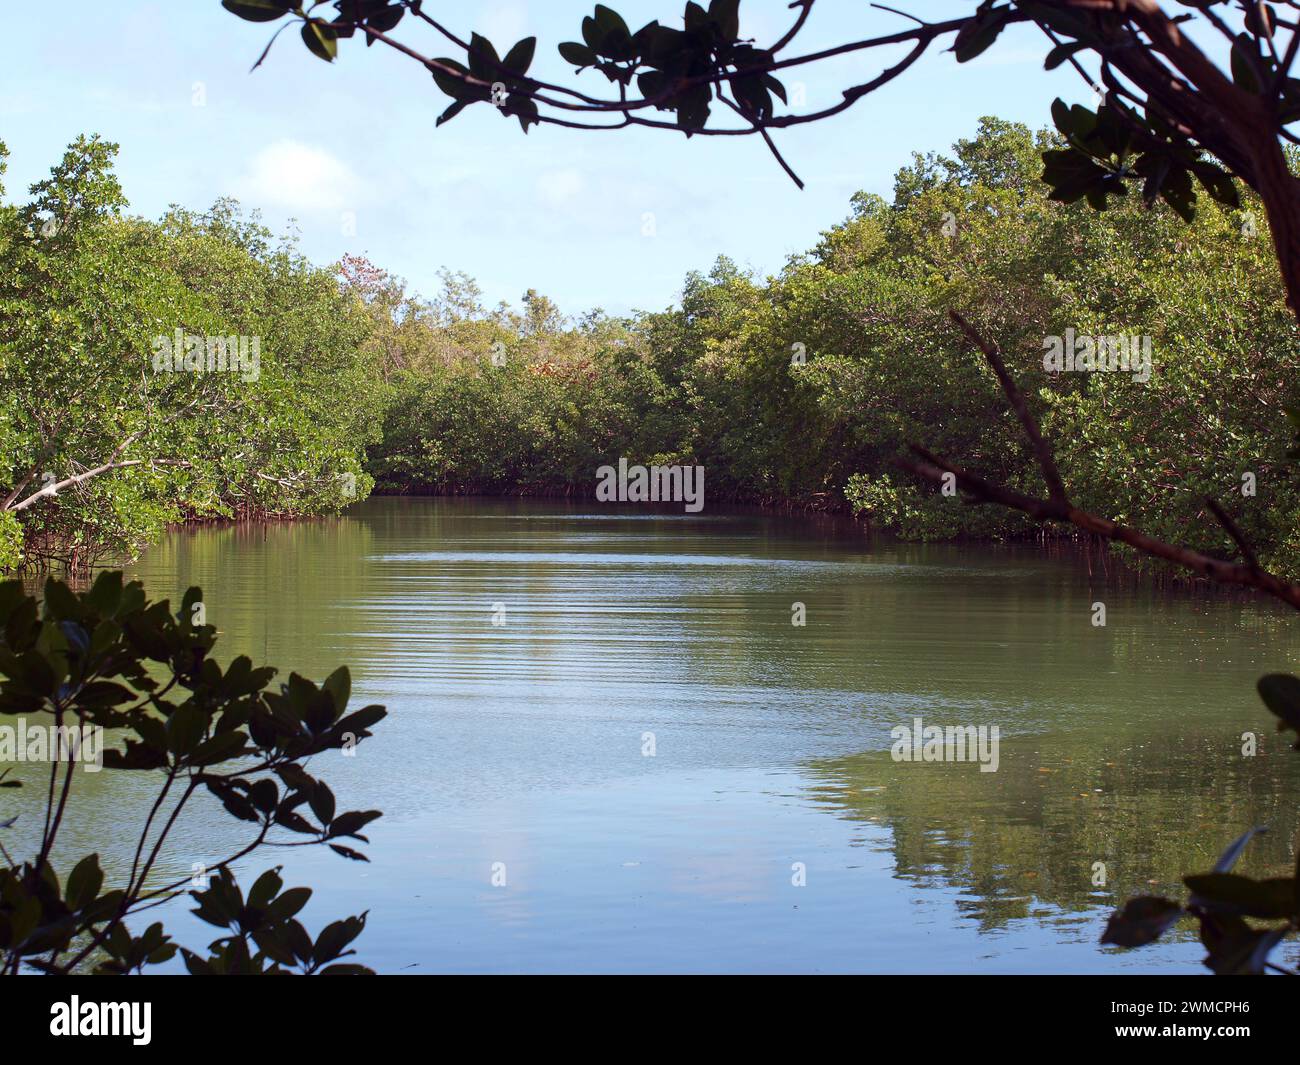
770 830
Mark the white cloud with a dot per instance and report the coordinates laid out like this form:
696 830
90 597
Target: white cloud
301 177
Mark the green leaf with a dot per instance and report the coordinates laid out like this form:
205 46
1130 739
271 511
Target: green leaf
726 13
1073 120
1234 947
453 86
107 592
1182 200
185 728
257 10
239 807
352 822
1061 53
451 112
220 748
979 33
346 969
269 941
384 20
1281 694
1143 920
84 882
1241 896
320 40
60 602
220 903
264 795
265 888
1218 184
335 937
520 57
577 54
610 21
147 637
339 685
483 59
359 722
322 802
525 110
23 919
752 96
292 821
288 903
102 693
608 35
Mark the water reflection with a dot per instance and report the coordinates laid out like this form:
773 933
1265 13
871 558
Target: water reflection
1151 808
524 743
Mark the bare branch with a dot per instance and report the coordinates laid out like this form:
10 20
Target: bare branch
58 486
938 470
1233 530
1046 461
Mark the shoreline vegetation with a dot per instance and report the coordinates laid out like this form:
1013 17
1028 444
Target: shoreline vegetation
796 392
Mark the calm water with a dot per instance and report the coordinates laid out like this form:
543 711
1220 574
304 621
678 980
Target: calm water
523 743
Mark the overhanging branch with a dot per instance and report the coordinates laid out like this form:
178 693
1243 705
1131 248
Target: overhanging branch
1057 509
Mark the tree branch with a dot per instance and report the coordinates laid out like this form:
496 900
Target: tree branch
1046 461
933 468
68 482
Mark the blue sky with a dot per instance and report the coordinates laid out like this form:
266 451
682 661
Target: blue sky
557 210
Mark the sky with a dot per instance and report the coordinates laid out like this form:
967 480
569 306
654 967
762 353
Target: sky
349 151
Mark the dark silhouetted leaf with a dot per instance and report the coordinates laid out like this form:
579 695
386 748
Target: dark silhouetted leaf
1143 920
